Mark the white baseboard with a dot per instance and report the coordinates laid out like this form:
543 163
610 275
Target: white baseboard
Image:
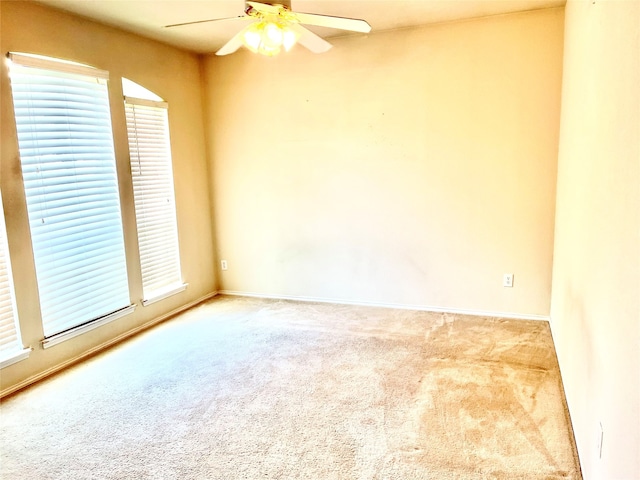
424 308
109 343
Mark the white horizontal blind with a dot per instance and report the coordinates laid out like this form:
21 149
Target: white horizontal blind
9 333
149 148
68 166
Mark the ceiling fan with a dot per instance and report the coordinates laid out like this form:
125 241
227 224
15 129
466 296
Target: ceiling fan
274 26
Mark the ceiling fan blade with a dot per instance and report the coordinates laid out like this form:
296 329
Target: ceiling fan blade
241 17
310 40
341 23
234 44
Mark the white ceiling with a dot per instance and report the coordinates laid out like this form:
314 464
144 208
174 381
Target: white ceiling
148 17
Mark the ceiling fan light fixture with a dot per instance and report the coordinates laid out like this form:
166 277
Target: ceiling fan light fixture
268 37
273 34
252 39
290 39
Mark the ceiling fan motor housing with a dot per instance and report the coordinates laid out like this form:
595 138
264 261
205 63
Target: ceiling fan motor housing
280 3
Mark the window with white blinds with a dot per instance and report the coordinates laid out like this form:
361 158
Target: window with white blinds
69 170
150 152
10 342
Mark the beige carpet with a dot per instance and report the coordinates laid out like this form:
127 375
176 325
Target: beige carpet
256 389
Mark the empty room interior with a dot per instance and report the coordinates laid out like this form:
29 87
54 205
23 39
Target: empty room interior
415 255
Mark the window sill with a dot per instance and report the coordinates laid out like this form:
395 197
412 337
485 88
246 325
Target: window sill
162 294
14 357
74 332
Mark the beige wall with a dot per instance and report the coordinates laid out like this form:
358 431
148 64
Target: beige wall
596 276
172 74
410 167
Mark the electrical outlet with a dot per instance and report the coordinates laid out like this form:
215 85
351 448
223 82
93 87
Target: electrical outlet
600 438
223 264
507 280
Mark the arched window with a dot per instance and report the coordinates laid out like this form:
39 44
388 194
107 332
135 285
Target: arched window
152 174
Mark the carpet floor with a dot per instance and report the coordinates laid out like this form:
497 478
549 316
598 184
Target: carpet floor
241 388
